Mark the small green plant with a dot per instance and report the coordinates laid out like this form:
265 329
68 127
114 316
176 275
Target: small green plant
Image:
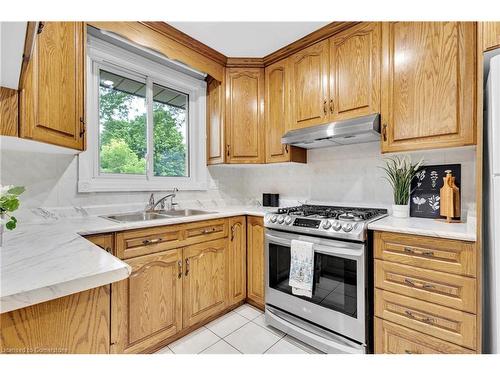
9 202
400 173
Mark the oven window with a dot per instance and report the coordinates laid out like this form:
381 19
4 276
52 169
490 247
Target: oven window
334 279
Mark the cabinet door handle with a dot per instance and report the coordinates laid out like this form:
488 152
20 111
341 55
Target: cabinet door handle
179 266
286 149
108 249
409 250
384 132
408 351
227 149
324 107
233 229
331 105
187 267
41 25
154 240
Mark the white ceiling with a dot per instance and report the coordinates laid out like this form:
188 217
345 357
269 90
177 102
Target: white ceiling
247 39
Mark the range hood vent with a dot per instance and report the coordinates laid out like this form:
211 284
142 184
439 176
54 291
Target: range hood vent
358 130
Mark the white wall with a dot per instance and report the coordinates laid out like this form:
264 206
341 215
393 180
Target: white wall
347 174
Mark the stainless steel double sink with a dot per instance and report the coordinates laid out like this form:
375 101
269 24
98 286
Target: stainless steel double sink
154 215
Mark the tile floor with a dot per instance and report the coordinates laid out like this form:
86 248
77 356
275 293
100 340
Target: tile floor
242 330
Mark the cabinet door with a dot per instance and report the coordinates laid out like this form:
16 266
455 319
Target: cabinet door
205 291
104 241
278 115
8 112
237 258
147 307
491 35
355 72
255 260
215 122
245 115
52 99
428 93
309 86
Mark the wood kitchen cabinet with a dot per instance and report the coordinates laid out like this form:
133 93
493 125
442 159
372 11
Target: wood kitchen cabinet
428 85
245 115
147 307
8 112
237 258
355 72
491 35
205 290
309 72
277 110
255 261
53 91
215 122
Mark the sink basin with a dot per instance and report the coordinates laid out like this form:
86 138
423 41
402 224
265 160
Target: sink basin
182 213
156 215
136 216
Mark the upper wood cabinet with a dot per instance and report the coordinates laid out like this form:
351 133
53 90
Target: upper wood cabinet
206 280
245 115
355 72
309 86
491 35
8 112
215 122
277 79
237 258
429 80
53 95
146 308
255 260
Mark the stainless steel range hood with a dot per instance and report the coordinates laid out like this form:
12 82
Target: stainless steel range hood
358 130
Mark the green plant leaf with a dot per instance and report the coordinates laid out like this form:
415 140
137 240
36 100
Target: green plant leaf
11 224
16 190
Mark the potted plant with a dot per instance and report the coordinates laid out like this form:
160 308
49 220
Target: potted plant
400 173
9 202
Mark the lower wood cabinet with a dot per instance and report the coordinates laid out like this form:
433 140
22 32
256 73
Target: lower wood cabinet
237 258
255 261
205 290
147 307
491 35
75 324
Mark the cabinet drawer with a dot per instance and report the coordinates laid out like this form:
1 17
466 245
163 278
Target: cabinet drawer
448 324
147 241
205 231
454 291
391 338
458 257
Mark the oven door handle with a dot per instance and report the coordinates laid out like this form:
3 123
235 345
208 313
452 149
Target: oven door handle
351 251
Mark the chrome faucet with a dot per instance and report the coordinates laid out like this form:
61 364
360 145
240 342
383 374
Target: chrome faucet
151 206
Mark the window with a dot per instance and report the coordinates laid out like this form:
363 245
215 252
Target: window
145 124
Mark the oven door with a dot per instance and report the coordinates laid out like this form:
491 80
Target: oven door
338 299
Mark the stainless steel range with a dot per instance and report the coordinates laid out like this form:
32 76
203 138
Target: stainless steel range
335 319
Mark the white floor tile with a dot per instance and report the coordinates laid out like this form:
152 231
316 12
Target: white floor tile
285 347
227 324
165 350
195 342
252 339
248 311
260 320
220 347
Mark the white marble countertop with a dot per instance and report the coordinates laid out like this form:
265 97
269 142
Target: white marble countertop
426 227
50 259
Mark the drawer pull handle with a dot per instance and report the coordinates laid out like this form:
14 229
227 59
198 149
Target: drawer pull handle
428 253
409 250
408 351
206 231
179 266
428 286
428 320
187 267
409 313
155 240
409 282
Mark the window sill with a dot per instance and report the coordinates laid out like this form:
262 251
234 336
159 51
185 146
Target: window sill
119 185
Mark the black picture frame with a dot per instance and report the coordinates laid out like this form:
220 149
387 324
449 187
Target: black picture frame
424 197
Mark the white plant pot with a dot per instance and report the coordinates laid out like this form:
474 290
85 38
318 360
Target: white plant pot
401 210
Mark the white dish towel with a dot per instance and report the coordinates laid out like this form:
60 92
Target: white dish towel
301 268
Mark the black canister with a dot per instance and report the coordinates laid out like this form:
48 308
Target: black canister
270 200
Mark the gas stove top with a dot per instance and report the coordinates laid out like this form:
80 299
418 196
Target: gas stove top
328 221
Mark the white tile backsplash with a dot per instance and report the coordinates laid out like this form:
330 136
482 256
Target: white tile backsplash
346 174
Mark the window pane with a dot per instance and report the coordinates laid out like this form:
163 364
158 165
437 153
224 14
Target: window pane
122 124
170 114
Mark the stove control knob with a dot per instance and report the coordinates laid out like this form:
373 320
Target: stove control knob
281 219
336 225
327 224
272 219
347 227
288 220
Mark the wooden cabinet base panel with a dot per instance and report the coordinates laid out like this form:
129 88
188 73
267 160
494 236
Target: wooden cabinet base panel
258 304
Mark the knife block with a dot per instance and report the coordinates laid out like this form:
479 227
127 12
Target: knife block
449 198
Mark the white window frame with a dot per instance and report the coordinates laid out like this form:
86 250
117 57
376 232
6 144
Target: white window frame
103 55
